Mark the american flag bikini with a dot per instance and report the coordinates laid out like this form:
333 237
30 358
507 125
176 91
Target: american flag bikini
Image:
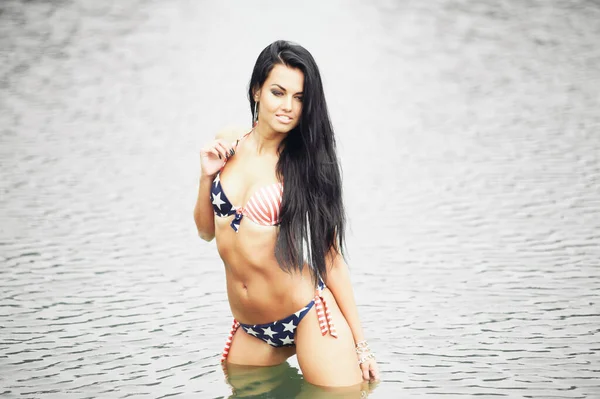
263 208
281 332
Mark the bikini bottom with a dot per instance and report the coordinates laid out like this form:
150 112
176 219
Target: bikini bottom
282 332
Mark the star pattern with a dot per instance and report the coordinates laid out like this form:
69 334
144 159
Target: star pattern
221 204
289 340
289 326
268 331
280 332
251 332
217 201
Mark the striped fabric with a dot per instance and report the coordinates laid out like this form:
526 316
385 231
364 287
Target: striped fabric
323 315
264 205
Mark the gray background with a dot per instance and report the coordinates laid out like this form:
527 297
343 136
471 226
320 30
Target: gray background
469 136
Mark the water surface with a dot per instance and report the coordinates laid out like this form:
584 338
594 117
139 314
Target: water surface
469 140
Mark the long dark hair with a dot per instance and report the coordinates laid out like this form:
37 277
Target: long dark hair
312 211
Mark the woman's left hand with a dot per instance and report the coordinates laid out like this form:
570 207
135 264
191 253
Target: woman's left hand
370 370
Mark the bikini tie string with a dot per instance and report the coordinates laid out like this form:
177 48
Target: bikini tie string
234 328
323 315
235 223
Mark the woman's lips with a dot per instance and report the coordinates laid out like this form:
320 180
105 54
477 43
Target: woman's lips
283 119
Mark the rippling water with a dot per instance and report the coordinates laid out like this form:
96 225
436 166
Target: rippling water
469 135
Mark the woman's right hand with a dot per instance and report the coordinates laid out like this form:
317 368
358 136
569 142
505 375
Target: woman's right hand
214 155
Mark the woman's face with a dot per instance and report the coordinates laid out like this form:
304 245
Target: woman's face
280 99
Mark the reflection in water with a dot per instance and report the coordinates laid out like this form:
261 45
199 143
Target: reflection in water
263 382
283 381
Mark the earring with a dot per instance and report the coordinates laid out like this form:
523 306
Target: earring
255 116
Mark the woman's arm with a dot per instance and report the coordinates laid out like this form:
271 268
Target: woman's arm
338 282
203 211
212 158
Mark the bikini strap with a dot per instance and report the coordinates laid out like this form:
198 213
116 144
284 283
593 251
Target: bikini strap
235 145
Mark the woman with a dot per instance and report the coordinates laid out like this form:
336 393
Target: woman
273 199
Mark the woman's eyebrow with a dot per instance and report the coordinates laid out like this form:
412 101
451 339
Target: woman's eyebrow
282 88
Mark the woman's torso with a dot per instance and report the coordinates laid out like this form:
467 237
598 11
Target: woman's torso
258 290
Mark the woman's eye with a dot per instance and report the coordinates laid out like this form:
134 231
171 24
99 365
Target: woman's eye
276 93
299 99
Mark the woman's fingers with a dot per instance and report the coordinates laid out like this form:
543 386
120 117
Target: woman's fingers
223 150
365 371
204 152
227 146
214 155
214 152
374 369
219 149
370 371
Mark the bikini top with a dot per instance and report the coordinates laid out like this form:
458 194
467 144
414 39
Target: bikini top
262 208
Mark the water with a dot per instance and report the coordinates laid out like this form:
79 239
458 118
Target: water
469 136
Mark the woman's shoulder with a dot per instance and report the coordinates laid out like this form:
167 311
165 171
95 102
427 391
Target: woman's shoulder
231 133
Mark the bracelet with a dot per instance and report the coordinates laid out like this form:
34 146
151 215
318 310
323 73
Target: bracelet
365 358
362 347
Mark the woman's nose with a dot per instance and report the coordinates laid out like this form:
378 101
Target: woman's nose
287 103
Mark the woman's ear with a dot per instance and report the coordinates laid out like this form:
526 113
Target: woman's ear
256 94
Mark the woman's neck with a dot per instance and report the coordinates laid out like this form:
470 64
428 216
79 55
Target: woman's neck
266 141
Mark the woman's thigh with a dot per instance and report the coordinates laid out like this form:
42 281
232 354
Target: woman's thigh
251 351
323 359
